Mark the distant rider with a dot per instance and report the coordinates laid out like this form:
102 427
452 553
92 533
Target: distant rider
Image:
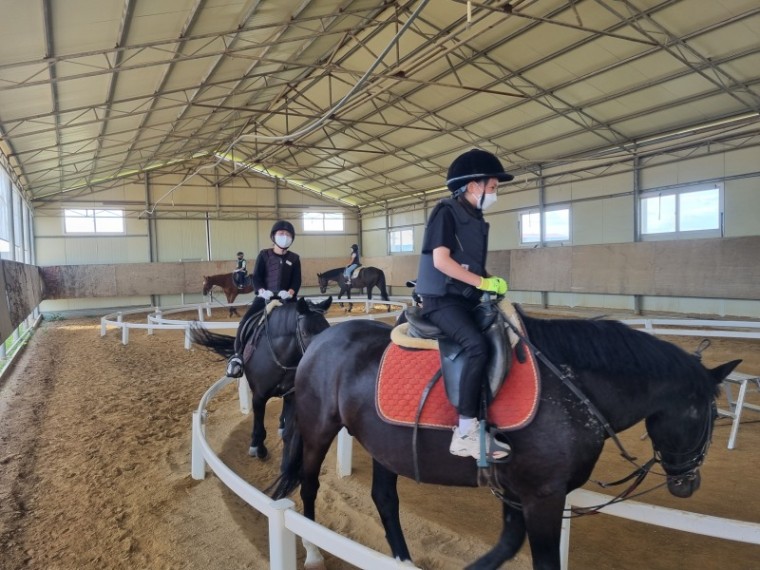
353 263
276 269
241 271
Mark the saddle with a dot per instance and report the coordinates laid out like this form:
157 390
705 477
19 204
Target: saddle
407 391
252 329
240 281
356 271
494 327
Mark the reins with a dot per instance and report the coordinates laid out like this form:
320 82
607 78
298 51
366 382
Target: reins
299 337
641 471
565 378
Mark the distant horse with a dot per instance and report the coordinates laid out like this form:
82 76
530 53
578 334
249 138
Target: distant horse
284 335
627 376
368 277
228 285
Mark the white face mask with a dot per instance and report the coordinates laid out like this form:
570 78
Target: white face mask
283 241
488 200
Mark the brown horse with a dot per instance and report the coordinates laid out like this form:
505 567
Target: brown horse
227 284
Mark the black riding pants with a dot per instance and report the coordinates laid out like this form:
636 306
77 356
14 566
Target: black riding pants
457 322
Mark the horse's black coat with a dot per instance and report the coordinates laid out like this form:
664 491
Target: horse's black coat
270 371
369 277
628 375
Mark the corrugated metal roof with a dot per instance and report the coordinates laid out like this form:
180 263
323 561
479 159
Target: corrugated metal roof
93 89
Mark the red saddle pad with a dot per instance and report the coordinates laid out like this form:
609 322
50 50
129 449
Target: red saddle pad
404 374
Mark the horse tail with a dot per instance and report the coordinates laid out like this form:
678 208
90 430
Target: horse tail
222 344
292 459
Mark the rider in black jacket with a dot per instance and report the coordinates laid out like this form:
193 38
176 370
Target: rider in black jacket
452 276
277 272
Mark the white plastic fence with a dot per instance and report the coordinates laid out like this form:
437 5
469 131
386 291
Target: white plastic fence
284 522
157 317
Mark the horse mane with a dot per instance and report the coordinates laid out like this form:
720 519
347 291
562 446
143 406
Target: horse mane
283 320
615 348
332 273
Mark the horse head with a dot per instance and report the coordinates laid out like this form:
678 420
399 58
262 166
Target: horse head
681 433
206 285
311 319
322 283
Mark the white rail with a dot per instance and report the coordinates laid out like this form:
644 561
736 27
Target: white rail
284 522
156 318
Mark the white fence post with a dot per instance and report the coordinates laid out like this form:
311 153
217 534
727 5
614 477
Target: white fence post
282 542
564 540
124 334
245 395
197 463
345 453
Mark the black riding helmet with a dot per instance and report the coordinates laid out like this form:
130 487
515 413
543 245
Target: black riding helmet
475 164
355 247
282 225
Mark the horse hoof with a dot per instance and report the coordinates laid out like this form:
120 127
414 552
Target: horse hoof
258 452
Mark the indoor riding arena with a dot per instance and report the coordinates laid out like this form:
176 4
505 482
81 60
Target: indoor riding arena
144 144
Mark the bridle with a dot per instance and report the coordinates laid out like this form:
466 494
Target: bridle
686 469
299 338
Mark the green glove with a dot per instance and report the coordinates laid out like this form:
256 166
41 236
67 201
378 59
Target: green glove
493 285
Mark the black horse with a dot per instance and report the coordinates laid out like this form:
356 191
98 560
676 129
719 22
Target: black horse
368 277
627 376
284 335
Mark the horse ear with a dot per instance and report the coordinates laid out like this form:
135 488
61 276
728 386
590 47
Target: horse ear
324 305
302 305
720 373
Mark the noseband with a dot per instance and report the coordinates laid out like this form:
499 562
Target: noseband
688 462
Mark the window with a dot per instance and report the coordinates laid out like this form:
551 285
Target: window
401 240
94 221
685 213
322 222
556 226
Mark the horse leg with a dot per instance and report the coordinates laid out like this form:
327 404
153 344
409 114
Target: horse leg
543 520
385 496
259 433
230 299
316 444
511 540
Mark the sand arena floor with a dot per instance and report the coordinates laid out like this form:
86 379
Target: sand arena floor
95 473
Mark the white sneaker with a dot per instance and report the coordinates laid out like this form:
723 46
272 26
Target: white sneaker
468 444
235 367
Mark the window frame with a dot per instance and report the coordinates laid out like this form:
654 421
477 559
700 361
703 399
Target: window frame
542 213
678 194
93 215
308 218
400 232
